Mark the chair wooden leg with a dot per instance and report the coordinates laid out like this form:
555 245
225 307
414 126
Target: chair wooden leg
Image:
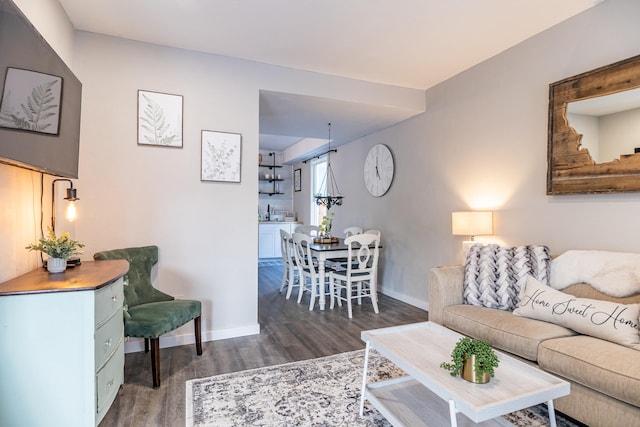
301 288
146 345
291 280
155 361
314 292
285 273
198 331
349 291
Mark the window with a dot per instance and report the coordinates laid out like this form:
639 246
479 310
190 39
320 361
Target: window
318 185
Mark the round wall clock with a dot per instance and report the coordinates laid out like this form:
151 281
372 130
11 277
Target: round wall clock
378 170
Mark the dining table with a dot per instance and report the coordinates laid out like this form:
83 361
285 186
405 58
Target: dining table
327 251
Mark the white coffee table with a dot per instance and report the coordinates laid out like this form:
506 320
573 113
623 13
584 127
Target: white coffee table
429 395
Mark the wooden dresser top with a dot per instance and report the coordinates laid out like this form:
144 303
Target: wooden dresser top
90 275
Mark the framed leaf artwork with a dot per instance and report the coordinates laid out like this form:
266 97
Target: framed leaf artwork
221 156
159 119
31 101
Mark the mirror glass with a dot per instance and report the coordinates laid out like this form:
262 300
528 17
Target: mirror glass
609 125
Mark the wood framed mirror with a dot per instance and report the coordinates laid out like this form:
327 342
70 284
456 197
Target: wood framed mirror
594 131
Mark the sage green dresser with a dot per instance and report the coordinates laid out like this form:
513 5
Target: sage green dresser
61 345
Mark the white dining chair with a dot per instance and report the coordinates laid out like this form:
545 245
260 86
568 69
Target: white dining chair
309 230
376 232
350 231
290 277
307 270
359 277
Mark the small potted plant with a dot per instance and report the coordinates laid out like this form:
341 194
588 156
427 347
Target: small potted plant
327 224
59 249
473 359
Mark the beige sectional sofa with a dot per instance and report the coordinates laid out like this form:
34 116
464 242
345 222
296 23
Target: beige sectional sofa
604 376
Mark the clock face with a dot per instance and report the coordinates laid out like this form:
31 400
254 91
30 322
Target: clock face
378 170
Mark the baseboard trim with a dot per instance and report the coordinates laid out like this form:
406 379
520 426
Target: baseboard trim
134 345
404 298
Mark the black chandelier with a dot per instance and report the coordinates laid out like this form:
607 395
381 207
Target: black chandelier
329 194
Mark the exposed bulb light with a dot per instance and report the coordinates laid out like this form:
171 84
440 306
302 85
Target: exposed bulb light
71 212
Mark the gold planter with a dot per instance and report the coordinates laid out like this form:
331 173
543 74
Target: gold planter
469 371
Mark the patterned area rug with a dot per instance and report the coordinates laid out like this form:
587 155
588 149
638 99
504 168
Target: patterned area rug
316 392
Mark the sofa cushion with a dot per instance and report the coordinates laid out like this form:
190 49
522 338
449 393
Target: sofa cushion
610 321
517 335
607 367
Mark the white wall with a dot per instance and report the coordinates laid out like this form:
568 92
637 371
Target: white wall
482 144
134 195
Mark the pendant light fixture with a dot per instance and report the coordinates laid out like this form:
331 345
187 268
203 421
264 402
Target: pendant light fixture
329 194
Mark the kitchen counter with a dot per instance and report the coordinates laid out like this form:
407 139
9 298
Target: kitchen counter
279 222
269 237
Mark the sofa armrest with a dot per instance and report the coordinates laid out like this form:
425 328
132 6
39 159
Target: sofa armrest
445 289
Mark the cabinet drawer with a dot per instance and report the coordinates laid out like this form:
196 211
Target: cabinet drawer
108 300
107 339
108 380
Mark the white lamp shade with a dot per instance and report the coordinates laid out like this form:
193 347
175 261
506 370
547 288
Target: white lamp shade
475 223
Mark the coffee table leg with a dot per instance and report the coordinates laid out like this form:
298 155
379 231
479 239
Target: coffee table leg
552 413
452 413
364 378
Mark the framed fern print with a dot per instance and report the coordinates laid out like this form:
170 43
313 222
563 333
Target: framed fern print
159 119
221 156
31 101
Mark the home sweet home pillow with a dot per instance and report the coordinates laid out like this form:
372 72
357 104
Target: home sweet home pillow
606 320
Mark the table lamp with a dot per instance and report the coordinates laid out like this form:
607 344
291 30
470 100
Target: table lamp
473 223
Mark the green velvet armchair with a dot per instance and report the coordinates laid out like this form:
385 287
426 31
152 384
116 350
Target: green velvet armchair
148 312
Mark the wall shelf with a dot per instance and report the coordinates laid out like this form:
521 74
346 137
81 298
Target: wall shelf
272 180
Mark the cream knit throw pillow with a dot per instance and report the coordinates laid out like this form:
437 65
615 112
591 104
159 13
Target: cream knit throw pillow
494 275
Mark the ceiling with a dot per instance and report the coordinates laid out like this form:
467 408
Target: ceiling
407 43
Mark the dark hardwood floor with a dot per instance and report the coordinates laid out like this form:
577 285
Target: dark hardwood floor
289 332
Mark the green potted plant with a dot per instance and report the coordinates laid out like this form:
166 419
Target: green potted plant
327 224
473 359
59 249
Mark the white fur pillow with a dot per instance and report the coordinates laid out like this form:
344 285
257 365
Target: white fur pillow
606 320
613 273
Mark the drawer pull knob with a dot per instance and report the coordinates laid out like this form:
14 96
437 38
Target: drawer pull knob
114 298
107 343
109 383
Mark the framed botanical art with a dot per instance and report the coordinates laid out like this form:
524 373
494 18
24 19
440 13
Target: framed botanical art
297 180
221 156
159 119
31 101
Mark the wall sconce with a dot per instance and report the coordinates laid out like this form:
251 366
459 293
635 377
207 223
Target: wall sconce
71 212
474 223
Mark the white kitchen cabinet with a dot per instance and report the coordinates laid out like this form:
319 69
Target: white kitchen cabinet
61 345
269 237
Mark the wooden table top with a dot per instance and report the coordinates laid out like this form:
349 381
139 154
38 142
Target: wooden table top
90 275
339 246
